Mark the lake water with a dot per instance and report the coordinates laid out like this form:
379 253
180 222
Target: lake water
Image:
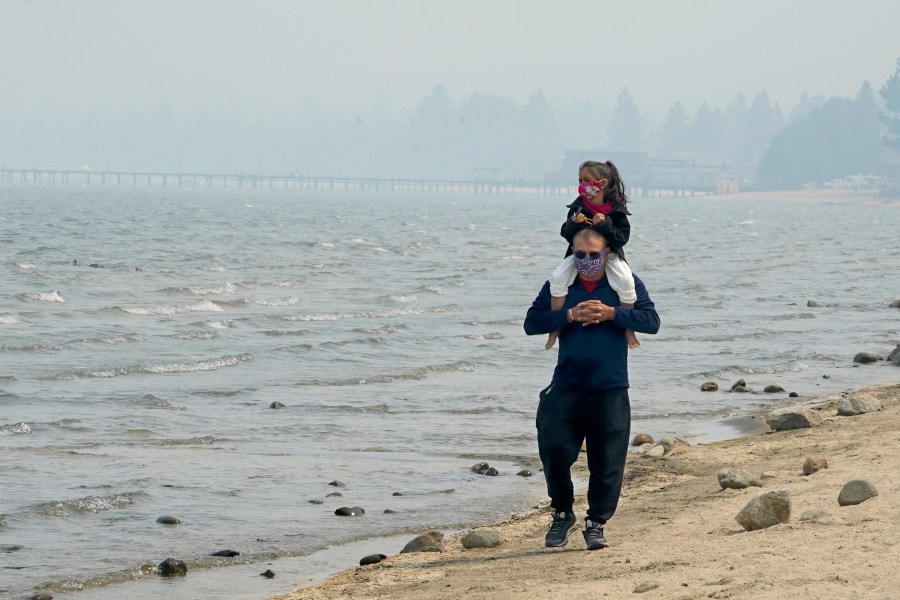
390 327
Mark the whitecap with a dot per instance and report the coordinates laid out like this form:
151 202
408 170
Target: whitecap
14 429
26 267
402 298
229 324
163 309
53 296
372 314
326 244
7 319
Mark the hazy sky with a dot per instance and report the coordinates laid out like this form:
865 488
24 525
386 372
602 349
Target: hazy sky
348 53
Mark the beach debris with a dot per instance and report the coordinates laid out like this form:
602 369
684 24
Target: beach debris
172 568
709 386
168 520
737 479
739 386
812 304
338 494
226 553
793 417
894 356
858 405
41 596
268 574
865 358
814 465
491 472
641 439
372 559
793 395
276 404
645 586
856 492
338 483
430 541
349 511
773 388
483 537
818 515
480 468
524 473
765 510
316 501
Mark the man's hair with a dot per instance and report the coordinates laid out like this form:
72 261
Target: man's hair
590 233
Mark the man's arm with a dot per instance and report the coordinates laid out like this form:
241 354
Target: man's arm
643 318
540 318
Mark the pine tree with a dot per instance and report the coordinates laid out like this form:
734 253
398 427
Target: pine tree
890 113
626 131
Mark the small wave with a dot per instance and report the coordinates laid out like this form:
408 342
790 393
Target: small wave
196 335
487 336
32 348
373 314
14 429
112 341
153 402
88 504
7 319
518 322
26 267
283 332
53 296
402 298
375 408
64 422
805 315
287 283
212 364
218 393
436 289
793 366
203 440
290 301
481 410
381 330
417 374
163 309
229 324
221 288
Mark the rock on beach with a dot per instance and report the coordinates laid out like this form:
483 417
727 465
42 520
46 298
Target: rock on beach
856 492
857 405
641 439
172 568
793 417
168 520
894 356
865 358
736 479
709 386
371 559
814 465
483 537
430 541
773 388
349 511
765 510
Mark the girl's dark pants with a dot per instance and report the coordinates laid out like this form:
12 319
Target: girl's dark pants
566 418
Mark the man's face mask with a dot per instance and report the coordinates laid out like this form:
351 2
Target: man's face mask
589 264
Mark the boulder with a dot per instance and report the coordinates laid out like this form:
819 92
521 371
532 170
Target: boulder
479 468
793 417
268 574
865 358
709 386
483 537
793 395
371 559
895 304
430 541
641 439
765 510
856 492
814 465
350 511
168 520
894 356
736 479
172 568
858 405
491 472
276 405
740 383
773 388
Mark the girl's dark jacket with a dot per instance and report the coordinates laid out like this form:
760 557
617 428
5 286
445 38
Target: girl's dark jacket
615 228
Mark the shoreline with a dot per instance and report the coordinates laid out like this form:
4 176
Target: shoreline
675 527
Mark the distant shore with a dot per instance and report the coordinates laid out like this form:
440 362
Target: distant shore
823 196
675 532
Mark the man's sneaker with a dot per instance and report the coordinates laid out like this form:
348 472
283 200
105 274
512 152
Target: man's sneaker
593 535
558 534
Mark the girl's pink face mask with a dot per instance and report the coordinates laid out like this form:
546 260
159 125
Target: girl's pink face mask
590 189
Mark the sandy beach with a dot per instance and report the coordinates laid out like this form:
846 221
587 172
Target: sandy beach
675 533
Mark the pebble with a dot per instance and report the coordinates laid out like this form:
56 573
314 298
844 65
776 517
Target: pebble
172 568
484 537
773 388
793 395
390 511
338 483
709 386
765 510
334 494
736 479
812 304
856 492
397 494
641 439
168 520
430 541
276 405
371 559
524 473
814 465
317 501
349 511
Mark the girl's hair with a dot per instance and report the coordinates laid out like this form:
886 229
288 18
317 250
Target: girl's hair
614 192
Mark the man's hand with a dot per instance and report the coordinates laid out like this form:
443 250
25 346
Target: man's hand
591 312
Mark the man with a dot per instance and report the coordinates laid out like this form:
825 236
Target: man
588 396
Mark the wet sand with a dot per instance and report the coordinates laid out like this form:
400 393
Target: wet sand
675 531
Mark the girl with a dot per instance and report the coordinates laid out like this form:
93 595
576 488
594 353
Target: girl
600 205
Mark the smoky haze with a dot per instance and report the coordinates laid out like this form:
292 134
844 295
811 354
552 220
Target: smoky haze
420 88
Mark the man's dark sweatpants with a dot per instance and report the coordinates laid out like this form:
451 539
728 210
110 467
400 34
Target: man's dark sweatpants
565 418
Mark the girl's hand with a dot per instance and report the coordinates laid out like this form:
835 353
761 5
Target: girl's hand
578 218
599 218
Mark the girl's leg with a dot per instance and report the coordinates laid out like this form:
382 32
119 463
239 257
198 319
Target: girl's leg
560 280
622 281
